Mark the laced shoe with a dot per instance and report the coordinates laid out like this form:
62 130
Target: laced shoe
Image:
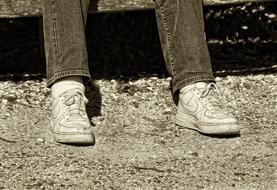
200 108
70 123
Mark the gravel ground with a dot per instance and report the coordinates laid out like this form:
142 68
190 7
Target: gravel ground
138 146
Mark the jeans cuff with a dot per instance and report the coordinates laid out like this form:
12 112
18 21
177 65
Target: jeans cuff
182 83
82 73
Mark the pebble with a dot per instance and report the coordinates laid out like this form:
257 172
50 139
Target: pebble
4 101
154 78
169 79
8 114
101 118
167 111
40 140
192 153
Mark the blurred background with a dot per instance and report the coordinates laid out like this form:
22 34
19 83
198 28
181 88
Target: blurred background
242 39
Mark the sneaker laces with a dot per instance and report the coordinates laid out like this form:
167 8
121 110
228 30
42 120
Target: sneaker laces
75 102
211 94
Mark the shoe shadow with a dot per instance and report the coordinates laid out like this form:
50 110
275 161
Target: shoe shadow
222 136
95 100
77 145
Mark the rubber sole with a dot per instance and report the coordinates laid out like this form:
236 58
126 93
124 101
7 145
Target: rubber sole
73 139
190 122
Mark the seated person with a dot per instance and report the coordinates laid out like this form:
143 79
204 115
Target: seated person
182 36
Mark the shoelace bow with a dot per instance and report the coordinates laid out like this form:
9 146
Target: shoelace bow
211 93
75 104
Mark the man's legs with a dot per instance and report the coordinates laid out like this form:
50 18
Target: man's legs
67 65
64 33
182 35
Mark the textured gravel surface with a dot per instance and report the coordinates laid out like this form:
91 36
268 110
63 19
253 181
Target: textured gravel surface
138 146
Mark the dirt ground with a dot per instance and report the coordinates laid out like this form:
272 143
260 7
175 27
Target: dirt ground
138 145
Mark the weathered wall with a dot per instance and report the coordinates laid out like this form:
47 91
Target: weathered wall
19 8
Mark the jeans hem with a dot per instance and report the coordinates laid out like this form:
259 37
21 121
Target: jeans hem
182 83
62 74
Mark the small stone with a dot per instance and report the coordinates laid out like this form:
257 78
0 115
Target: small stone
4 104
192 153
169 79
4 101
154 157
217 79
167 110
154 78
101 118
149 88
8 114
40 140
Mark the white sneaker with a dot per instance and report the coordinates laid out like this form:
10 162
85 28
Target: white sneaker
199 108
70 123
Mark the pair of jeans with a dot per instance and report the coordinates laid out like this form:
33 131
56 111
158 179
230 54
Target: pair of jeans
181 30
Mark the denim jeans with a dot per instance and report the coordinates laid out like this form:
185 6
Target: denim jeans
181 30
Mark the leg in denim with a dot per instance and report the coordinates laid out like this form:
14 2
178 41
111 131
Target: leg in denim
181 28
64 33
67 64
182 35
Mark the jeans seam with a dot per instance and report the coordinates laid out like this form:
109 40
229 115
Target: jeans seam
54 30
169 39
